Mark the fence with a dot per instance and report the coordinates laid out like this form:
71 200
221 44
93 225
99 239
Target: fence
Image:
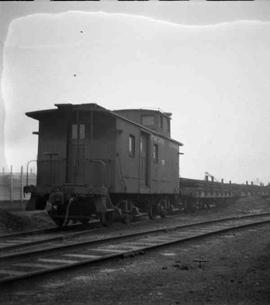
12 183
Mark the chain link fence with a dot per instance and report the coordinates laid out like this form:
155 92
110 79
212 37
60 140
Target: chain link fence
11 187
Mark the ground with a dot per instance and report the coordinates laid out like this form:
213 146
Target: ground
19 220
235 269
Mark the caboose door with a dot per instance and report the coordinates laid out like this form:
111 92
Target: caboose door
76 155
144 160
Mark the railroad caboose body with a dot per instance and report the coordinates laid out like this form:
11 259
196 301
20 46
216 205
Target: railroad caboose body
93 161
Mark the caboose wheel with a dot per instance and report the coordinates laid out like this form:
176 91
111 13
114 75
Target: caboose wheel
127 210
84 221
151 213
162 214
59 221
127 218
102 219
162 208
106 218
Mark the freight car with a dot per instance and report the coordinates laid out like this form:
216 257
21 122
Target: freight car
93 162
199 194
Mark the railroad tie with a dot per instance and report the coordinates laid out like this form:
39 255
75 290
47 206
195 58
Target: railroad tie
36 265
61 261
107 250
11 272
82 255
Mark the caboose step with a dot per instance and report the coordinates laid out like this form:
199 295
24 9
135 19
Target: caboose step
175 210
140 215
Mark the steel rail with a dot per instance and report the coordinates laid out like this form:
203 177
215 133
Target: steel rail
128 246
71 243
21 239
46 230
12 241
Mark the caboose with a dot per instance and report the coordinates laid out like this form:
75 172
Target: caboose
93 162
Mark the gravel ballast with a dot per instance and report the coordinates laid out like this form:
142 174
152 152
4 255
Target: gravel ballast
232 268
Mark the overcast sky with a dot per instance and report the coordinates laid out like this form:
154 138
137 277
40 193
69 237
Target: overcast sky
213 76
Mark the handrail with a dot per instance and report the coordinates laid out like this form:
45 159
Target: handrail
121 172
102 162
27 167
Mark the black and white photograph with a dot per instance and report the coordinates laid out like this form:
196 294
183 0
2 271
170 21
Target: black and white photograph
134 152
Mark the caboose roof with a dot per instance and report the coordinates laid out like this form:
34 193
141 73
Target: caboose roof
166 114
62 108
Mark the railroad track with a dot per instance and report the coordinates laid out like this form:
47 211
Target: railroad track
20 240
57 257
30 239
35 237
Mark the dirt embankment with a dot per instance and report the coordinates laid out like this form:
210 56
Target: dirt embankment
23 221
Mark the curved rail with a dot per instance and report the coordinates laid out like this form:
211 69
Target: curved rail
34 237
27 239
42 261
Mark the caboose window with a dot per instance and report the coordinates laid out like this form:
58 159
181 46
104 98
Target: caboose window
74 133
166 124
131 146
155 153
161 122
148 120
82 131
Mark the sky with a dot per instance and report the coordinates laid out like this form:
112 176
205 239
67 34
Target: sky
208 65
